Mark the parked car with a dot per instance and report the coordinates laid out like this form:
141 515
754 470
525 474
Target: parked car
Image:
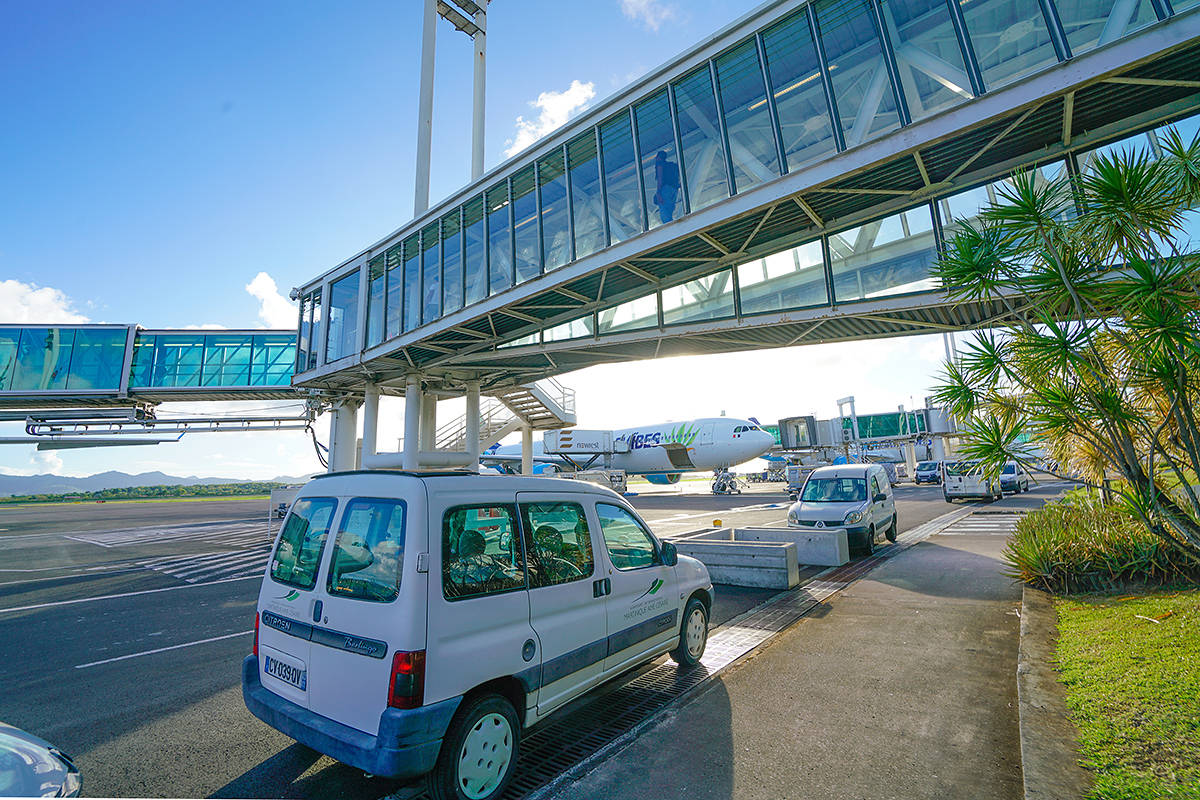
32 767
857 497
928 472
418 623
1014 478
965 479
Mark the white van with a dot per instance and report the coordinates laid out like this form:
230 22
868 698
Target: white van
966 479
413 623
857 497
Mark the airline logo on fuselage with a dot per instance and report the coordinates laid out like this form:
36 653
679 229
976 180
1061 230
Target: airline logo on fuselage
684 435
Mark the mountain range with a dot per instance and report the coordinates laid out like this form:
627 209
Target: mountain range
59 484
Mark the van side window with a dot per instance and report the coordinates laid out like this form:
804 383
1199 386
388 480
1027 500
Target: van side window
481 553
558 542
301 542
368 551
874 487
629 546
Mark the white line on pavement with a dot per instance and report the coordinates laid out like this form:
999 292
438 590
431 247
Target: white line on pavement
87 541
125 594
161 650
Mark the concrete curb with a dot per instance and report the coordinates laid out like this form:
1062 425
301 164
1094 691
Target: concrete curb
1049 742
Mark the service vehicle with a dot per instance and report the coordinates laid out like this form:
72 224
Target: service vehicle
928 472
857 497
1014 478
966 479
32 767
416 623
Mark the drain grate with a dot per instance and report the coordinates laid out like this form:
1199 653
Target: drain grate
556 750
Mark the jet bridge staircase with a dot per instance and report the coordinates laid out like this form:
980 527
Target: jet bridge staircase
545 405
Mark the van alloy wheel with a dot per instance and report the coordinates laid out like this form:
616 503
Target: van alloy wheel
693 635
696 633
485 756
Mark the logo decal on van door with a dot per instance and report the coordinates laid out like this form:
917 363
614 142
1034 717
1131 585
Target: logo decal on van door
290 596
655 585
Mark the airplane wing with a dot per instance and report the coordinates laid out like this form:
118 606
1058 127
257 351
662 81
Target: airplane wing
492 459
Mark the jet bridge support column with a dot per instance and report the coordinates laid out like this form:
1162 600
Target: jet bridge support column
370 422
428 420
526 450
343 430
472 419
412 422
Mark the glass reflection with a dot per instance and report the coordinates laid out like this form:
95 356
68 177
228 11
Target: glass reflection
343 317
703 152
794 278
500 260
525 225
1090 23
933 73
475 268
552 197
621 180
752 150
452 268
431 273
710 297
795 76
587 207
376 300
412 282
659 162
629 316
1010 38
575 329
861 86
889 256
395 290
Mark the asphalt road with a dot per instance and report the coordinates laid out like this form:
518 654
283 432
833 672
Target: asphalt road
107 649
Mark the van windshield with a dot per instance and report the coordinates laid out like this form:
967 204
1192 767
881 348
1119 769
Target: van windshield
835 490
368 551
1010 469
962 468
925 466
303 539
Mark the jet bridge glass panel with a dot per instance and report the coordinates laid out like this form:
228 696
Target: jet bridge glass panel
1090 23
933 73
658 158
525 225
217 360
710 297
703 150
861 86
343 317
500 253
475 269
632 315
794 278
893 255
552 197
799 92
412 282
965 207
1010 39
621 185
431 273
575 329
395 290
748 125
376 300
452 266
587 202
61 359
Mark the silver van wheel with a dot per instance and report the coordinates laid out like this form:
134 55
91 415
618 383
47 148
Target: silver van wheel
696 633
693 635
485 756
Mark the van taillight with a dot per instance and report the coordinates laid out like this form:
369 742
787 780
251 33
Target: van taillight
256 634
407 687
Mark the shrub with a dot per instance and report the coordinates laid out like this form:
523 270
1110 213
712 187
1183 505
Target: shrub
1080 544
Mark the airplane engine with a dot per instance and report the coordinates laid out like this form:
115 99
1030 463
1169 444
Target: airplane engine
664 480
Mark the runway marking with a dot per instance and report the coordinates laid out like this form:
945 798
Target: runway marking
162 649
87 541
71 575
124 594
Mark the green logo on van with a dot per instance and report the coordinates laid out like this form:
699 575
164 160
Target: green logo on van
290 596
655 585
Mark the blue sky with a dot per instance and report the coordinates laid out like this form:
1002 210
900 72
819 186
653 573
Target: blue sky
157 156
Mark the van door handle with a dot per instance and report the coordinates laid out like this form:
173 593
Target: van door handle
317 605
601 587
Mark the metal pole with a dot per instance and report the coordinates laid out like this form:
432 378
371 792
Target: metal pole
478 98
425 108
472 432
526 450
370 420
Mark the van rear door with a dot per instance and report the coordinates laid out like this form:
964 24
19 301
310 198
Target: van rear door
363 614
287 597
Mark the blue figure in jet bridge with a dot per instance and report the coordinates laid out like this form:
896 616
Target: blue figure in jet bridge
666 182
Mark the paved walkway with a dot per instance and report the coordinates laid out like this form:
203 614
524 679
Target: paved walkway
901 686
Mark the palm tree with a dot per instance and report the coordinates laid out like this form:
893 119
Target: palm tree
1100 364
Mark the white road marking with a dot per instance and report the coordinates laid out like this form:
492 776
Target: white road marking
87 541
124 594
161 649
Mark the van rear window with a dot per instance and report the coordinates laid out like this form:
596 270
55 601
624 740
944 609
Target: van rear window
298 556
369 551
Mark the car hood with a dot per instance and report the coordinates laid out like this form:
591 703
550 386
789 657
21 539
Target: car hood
825 512
32 767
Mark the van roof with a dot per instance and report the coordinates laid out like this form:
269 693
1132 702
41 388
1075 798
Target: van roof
843 470
482 482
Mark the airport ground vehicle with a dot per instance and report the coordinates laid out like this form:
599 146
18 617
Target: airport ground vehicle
966 479
928 472
1013 478
857 497
415 623
32 767
725 482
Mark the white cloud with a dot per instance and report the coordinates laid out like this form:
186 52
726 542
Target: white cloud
27 302
555 109
651 13
46 461
207 326
274 309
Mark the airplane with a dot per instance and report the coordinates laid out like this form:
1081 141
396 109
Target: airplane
662 452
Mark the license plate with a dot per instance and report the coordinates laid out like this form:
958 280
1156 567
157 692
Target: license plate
296 676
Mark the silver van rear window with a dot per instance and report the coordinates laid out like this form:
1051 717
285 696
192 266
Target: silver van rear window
298 556
368 551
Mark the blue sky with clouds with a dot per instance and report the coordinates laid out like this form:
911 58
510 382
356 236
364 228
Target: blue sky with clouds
157 157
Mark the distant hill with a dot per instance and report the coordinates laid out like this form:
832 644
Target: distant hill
59 484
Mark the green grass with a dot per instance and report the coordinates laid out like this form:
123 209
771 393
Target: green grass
204 499
1133 688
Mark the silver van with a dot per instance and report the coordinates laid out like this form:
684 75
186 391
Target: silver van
418 623
857 497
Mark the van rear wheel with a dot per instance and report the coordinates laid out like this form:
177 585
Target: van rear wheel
479 752
693 635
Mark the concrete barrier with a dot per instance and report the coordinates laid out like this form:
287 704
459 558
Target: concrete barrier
769 565
826 547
